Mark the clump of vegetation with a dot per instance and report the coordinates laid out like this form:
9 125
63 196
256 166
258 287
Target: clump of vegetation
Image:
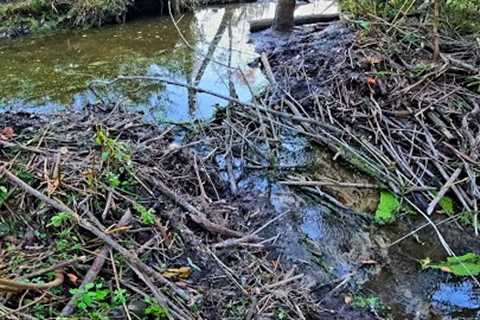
387 208
461 15
38 15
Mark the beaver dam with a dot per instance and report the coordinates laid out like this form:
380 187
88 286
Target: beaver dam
181 167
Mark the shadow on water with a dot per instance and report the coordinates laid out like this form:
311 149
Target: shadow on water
51 72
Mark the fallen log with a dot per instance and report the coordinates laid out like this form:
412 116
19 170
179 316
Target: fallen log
263 24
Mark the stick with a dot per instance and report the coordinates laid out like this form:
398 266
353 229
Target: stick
131 257
443 191
94 270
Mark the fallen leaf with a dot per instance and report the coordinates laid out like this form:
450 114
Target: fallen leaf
7 134
371 81
462 266
52 185
73 278
182 273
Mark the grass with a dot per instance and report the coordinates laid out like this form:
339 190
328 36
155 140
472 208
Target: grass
39 15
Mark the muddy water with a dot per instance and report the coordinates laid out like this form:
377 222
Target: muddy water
52 72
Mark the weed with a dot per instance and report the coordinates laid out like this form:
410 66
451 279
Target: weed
3 194
113 179
387 208
281 314
155 310
371 303
146 216
462 266
60 219
90 296
112 150
119 296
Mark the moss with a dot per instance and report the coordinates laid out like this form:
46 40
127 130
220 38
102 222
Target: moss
387 208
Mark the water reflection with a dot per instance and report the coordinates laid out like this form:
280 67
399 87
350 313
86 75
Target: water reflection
50 72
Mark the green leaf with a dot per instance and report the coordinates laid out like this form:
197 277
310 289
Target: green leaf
365 25
60 219
387 208
113 179
446 203
146 216
462 266
105 155
3 194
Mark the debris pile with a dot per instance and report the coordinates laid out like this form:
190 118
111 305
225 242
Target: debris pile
119 220
376 98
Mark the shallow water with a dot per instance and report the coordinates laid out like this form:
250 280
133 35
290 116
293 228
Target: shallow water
50 72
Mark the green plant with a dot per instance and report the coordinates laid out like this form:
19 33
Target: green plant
60 219
67 242
281 314
154 309
113 179
3 194
90 296
462 266
119 296
387 208
147 216
447 205
371 303
112 149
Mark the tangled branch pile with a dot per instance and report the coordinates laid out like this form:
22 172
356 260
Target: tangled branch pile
166 239
379 101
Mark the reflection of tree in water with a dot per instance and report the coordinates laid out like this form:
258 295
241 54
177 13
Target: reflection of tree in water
197 75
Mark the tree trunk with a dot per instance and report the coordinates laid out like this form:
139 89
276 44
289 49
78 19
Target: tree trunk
284 21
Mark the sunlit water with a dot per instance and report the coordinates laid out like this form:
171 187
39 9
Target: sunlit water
52 72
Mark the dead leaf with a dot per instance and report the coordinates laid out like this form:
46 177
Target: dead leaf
52 185
73 278
7 134
374 60
371 81
446 269
181 273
